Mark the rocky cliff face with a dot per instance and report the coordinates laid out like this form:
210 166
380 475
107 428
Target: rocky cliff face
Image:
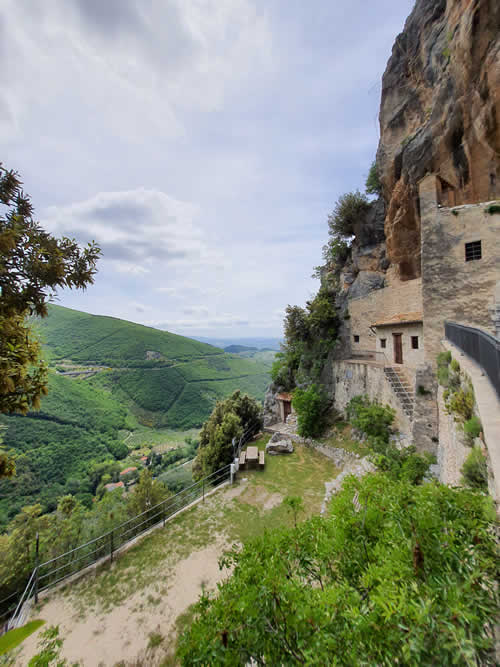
440 112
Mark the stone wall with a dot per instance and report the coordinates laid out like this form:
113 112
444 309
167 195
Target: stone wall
379 305
353 378
424 428
453 289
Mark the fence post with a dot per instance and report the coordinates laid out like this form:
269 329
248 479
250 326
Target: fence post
231 473
111 545
37 561
203 488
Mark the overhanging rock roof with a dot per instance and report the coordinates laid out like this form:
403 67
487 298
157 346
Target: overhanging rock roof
284 397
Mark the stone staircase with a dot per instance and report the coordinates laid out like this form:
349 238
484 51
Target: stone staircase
402 388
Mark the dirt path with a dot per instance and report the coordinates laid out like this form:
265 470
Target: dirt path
122 634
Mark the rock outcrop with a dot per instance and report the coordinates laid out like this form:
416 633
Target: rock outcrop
440 112
279 444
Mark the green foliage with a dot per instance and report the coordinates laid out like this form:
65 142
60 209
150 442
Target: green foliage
33 264
475 470
336 253
310 405
472 428
147 493
461 403
443 374
346 213
310 334
371 418
444 358
232 418
376 581
77 424
404 464
50 645
373 185
455 366
493 208
13 638
295 506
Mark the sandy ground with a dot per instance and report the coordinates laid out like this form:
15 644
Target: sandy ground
122 634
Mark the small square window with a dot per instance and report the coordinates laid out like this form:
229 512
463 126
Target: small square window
414 342
383 342
356 338
472 251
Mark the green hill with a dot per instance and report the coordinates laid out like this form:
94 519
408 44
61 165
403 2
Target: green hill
143 379
87 339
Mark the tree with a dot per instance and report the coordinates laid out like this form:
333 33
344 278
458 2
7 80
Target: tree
33 264
347 211
236 416
310 405
147 493
373 185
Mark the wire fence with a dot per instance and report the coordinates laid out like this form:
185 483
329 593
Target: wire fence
104 548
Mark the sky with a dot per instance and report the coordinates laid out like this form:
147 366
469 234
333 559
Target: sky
201 143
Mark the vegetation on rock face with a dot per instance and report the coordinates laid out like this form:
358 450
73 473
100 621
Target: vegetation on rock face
347 211
295 597
310 405
475 470
373 185
236 416
310 334
33 264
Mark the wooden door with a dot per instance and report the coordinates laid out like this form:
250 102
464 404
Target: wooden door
398 348
287 408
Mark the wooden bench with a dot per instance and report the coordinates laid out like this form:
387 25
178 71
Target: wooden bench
243 457
261 459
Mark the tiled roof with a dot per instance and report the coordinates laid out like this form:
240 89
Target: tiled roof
284 396
114 485
400 318
124 472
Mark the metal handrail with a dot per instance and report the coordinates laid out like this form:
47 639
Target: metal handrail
161 511
481 347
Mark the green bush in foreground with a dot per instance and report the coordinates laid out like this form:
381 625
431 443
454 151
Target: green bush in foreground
472 428
397 574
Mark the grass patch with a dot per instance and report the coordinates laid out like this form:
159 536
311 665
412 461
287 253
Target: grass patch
236 513
155 639
11 640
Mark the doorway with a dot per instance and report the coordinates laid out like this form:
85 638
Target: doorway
398 347
287 409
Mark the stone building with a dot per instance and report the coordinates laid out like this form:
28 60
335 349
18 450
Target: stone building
396 329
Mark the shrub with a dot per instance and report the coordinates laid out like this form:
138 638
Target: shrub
443 375
373 185
391 568
373 419
475 470
310 405
455 366
405 463
472 428
461 404
347 211
444 358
